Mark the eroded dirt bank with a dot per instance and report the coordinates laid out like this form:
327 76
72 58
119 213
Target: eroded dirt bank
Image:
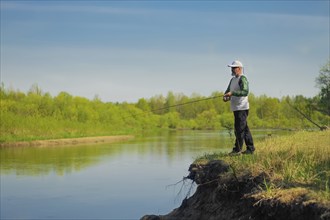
223 195
69 141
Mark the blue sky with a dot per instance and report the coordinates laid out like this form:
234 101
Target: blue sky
126 50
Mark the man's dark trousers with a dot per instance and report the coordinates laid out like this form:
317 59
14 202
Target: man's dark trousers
242 131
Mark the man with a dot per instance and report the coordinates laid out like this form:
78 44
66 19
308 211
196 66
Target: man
237 92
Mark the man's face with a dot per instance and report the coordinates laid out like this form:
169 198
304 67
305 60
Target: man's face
235 71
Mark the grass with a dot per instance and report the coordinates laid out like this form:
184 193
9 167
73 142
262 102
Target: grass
14 128
301 160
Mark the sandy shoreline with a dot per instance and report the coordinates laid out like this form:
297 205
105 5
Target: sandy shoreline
69 141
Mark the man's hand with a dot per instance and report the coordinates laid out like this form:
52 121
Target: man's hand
227 96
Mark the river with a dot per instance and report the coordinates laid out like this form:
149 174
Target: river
105 181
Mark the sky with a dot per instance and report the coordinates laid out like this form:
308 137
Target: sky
127 50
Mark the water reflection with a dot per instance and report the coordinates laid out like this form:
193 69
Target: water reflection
103 181
58 159
67 159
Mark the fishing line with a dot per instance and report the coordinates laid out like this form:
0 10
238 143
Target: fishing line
177 105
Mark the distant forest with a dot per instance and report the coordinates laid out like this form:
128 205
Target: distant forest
38 115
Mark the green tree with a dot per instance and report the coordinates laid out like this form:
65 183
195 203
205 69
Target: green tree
268 108
323 83
35 89
172 119
184 110
63 106
219 105
157 104
208 120
170 101
143 105
227 121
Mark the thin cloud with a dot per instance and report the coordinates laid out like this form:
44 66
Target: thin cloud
73 8
183 49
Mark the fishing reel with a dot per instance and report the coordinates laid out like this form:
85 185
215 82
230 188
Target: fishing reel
226 98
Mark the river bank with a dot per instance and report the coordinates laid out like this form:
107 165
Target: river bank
68 141
287 178
222 196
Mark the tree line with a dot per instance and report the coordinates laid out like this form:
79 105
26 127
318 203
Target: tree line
38 115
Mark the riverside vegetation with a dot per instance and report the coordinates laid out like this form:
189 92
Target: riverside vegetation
299 161
287 178
36 115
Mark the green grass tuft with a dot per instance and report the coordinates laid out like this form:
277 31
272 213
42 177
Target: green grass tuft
298 160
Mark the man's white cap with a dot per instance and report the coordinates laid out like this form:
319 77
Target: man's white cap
235 63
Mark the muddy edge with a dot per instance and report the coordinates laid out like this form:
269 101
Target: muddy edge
69 141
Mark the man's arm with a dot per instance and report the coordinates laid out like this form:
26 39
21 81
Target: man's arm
226 96
228 88
244 87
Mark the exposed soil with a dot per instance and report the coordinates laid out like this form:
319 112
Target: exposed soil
221 195
69 141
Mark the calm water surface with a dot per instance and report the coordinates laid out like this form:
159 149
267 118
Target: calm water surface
111 181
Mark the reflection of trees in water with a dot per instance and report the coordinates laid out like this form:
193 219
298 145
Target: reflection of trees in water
176 144
168 145
44 160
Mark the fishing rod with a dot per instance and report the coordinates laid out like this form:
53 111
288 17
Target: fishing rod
177 105
186 103
308 118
